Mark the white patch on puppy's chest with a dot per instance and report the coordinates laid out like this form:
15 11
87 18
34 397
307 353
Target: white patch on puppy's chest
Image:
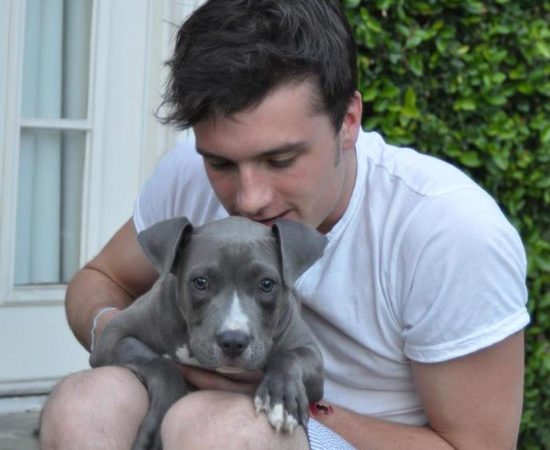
236 319
183 356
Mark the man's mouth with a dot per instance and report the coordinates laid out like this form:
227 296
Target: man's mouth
269 221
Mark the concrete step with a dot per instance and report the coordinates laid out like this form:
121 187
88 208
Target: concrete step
19 422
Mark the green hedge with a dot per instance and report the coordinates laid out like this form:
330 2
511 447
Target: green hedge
469 81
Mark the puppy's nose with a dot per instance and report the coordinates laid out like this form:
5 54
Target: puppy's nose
233 343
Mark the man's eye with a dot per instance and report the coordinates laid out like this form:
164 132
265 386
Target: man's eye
200 283
221 164
282 163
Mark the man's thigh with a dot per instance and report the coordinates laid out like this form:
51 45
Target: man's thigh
98 408
214 419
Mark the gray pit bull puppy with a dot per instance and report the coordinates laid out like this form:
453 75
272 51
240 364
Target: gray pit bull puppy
224 301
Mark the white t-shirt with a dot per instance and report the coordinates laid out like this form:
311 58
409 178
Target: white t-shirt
422 266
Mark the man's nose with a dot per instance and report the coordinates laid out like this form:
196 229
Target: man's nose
254 191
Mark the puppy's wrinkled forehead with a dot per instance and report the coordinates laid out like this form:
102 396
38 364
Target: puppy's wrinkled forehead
234 229
232 233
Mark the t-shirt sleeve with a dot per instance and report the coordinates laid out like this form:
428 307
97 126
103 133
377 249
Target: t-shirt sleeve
178 187
460 277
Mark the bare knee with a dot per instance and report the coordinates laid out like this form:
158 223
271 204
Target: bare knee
212 420
90 408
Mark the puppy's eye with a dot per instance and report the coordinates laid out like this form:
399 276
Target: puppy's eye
200 283
266 285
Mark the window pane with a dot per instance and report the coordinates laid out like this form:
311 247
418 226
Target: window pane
49 206
56 59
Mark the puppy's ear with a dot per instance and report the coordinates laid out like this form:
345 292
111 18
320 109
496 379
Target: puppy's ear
161 242
299 247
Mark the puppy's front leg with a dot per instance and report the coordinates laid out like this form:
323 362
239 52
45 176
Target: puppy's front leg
163 381
292 380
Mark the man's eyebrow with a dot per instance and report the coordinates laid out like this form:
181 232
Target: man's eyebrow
299 146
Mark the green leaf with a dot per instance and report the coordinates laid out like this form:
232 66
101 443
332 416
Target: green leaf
475 7
373 25
416 65
501 161
384 4
370 93
464 104
371 123
496 99
409 108
543 262
525 88
470 159
380 105
543 183
545 134
351 4
543 49
498 77
389 91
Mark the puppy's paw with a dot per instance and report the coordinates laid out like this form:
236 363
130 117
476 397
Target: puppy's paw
284 401
277 415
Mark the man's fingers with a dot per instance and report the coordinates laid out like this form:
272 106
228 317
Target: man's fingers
245 383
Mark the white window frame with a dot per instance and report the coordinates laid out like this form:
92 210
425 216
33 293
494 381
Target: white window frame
104 207
11 295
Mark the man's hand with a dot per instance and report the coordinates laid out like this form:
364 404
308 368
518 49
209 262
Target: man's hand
244 383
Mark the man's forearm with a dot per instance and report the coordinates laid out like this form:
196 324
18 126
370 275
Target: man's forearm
89 291
115 277
373 434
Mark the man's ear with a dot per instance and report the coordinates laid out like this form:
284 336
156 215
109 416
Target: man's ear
352 122
161 242
299 247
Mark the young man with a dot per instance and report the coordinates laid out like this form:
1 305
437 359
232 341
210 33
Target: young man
418 302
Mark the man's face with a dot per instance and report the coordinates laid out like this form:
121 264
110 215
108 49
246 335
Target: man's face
282 158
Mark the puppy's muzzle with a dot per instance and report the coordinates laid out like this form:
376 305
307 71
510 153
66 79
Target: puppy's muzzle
233 343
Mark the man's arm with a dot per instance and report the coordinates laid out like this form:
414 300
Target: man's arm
472 402
115 277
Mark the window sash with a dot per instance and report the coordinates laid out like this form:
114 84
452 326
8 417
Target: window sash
54 91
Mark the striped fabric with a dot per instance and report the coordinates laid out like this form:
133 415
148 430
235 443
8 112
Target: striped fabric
323 438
